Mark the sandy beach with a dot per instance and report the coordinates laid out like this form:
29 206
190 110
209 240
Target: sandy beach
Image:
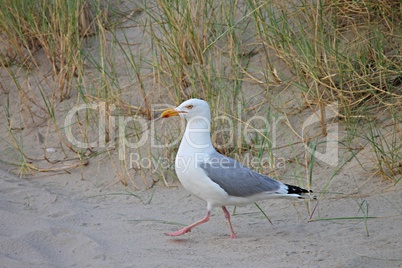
59 222
84 215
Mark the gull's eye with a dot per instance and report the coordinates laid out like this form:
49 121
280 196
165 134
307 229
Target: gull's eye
189 107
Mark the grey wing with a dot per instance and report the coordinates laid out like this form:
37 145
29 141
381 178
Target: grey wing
236 179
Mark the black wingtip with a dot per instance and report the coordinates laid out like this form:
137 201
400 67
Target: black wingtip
300 191
297 190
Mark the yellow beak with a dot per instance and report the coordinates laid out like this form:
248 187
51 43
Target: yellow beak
169 112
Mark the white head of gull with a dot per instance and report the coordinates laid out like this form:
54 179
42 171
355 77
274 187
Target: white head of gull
215 178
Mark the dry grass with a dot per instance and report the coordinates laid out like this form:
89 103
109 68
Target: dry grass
321 52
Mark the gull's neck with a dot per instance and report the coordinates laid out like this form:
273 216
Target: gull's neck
197 136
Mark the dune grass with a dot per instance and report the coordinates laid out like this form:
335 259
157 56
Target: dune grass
277 60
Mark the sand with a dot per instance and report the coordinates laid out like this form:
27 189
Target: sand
57 222
85 218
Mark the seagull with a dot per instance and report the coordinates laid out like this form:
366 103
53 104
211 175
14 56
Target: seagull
215 178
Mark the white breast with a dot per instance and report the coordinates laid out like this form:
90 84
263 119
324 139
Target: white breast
195 180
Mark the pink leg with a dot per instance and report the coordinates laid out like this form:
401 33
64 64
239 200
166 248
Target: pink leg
188 228
227 216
